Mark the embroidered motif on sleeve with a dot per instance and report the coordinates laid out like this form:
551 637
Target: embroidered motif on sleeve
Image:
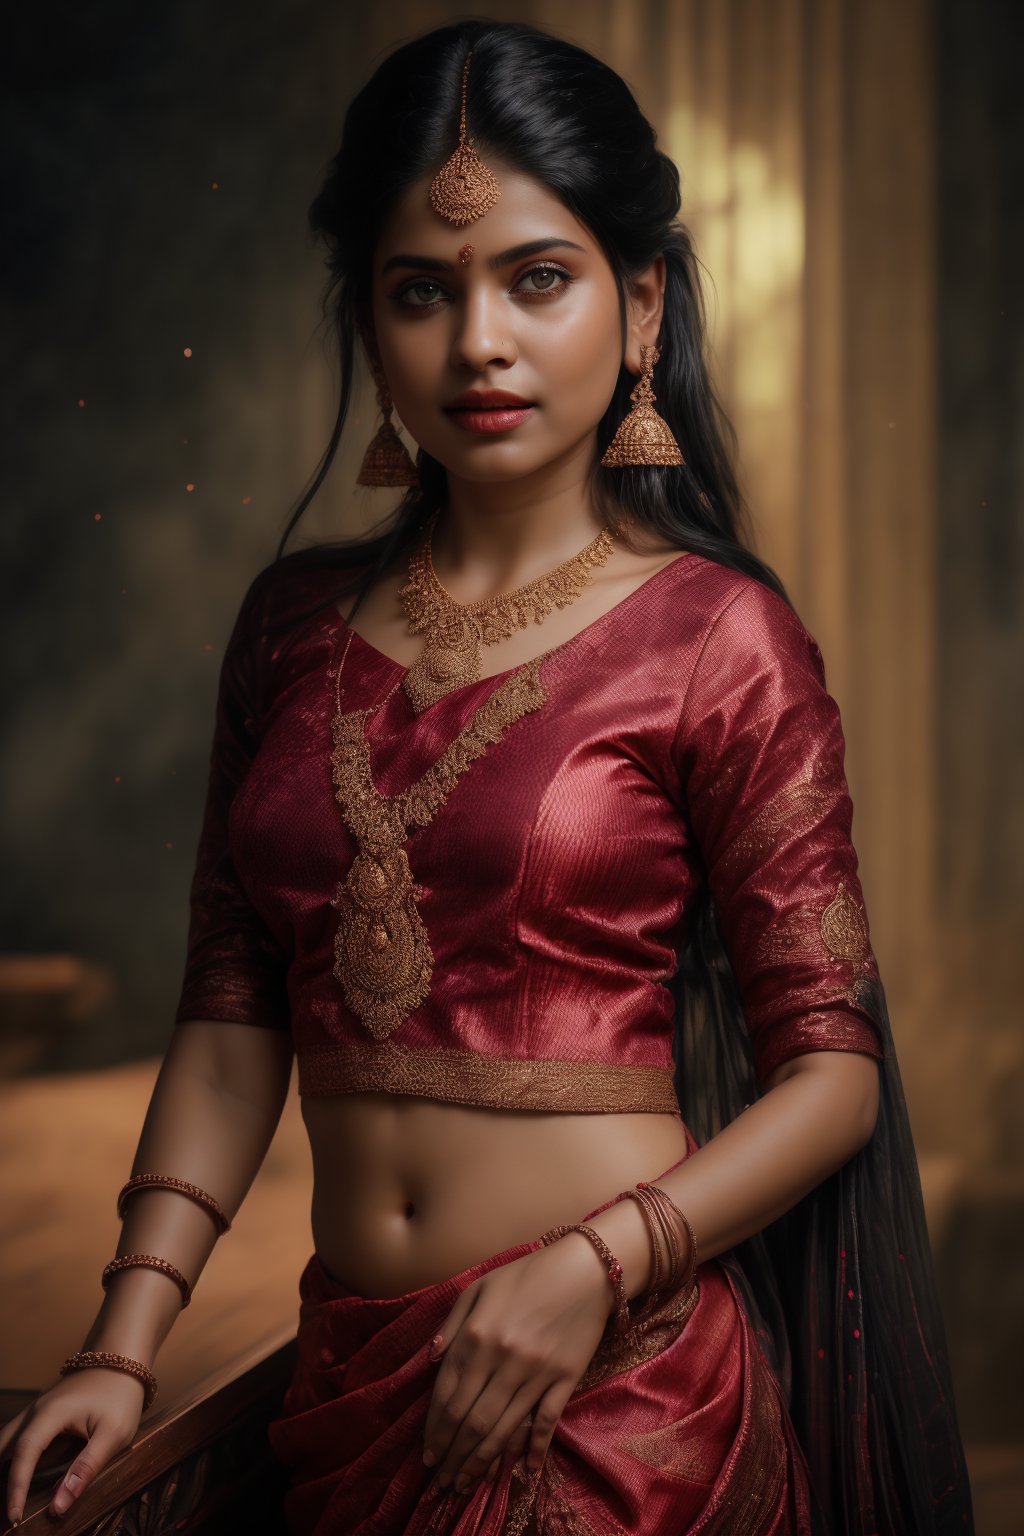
382 954
839 929
793 810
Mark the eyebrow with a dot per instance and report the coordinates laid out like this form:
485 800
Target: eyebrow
514 253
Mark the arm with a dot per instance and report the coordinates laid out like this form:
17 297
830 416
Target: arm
760 758
213 1112
215 1107
211 1117
818 1111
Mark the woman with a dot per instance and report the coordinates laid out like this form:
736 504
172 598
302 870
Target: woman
564 927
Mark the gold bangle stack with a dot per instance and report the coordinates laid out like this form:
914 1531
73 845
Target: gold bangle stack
103 1357
86 1358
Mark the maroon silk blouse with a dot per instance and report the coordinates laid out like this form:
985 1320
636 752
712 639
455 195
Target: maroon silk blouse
484 903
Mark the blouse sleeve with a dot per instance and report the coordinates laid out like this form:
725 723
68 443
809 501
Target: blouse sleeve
760 753
235 970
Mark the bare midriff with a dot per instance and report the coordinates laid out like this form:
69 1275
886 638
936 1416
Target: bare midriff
408 1191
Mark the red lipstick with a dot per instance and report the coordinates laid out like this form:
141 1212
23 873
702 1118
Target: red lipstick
489 410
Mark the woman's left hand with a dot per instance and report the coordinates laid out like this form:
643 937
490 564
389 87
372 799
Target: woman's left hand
517 1339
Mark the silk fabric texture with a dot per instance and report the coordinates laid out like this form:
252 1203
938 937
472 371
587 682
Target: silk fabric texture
684 736
684 758
682 1429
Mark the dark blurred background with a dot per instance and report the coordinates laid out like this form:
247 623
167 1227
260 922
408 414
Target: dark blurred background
852 174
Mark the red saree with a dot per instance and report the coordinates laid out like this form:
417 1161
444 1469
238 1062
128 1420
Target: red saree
684 1430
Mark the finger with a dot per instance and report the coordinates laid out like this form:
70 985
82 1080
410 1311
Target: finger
27 1451
443 1340
463 1374
545 1419
10 1429
514 1449
488 1428
106 1441
459 1397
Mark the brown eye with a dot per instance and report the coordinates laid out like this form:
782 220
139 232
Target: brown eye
549 280
424 282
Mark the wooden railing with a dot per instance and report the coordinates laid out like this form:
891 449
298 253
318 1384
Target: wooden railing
199 1467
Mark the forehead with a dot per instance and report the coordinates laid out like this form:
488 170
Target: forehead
526 210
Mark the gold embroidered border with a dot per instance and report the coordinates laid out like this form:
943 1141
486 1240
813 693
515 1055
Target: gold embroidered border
493 1082
382 953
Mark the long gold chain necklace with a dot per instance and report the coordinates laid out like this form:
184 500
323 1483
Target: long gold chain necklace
382 954
456 632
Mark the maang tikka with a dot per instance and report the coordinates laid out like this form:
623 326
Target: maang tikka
643 437
464 188
386 460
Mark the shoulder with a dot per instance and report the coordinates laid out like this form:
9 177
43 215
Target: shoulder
296 586
745 626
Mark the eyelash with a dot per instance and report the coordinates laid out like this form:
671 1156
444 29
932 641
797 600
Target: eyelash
547 293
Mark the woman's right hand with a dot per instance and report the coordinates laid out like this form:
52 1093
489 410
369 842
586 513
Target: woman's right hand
101 1405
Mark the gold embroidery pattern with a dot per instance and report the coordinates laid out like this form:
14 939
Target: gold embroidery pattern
496 1082
797 807
540 1502
382 954
840 928
844 928
648 1338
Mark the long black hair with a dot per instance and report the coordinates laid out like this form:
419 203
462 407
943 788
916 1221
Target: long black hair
558 114
876 1419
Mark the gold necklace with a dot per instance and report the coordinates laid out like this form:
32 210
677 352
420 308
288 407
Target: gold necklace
382 954
457 631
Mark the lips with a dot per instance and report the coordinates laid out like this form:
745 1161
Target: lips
488 400
489 411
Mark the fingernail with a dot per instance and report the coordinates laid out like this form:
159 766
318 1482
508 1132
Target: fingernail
429 1458
436 1345
72 1481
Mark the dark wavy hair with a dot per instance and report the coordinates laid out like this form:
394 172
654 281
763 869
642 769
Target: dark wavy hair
878 1426
558 114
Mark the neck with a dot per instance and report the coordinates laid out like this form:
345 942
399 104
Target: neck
492 536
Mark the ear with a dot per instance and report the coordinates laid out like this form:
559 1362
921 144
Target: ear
645 306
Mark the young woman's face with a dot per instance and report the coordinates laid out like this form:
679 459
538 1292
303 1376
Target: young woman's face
543 325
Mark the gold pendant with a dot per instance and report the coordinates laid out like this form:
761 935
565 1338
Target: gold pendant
382 953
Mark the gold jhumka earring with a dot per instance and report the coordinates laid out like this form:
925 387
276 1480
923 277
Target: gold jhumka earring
464 188
643 437
386 460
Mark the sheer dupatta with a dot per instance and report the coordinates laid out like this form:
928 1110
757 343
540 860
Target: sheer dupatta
841 1290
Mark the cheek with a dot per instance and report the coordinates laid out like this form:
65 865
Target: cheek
580 366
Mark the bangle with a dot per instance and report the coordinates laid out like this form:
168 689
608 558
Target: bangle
691 1267
181 1187
129 1260
623 1321
654 1284
85 1358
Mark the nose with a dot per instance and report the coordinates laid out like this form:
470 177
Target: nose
481 331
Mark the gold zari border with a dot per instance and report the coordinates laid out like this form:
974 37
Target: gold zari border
492 1082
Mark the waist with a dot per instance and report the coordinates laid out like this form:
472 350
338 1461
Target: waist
408 1190
459 1076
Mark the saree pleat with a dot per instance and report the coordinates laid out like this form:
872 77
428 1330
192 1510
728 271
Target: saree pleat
680 1427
